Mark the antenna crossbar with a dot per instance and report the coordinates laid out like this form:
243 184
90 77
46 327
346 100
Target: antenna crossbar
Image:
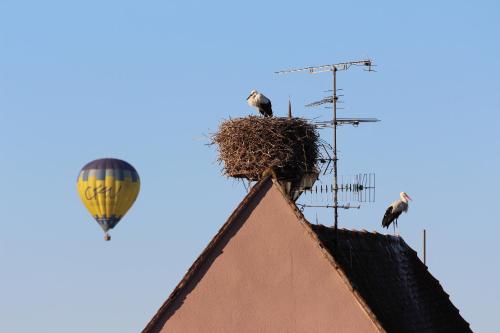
341 66
345 121
346 206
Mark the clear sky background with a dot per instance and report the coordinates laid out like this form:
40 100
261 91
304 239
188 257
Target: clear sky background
149 81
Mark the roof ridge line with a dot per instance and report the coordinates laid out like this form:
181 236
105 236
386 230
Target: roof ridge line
204 254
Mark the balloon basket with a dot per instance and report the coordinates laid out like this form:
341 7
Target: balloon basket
107 237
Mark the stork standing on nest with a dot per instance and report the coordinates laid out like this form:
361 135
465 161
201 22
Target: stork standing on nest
394 210
261 102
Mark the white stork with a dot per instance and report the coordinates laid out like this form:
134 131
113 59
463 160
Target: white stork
261 102
394 210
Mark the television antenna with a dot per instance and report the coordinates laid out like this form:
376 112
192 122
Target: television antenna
367 65
359 187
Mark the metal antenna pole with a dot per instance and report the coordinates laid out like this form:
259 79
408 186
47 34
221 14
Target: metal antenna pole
425 246
335 185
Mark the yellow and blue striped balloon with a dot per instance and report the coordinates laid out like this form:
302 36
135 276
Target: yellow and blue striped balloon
108 187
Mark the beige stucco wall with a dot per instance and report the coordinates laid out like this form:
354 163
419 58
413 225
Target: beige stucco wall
268 275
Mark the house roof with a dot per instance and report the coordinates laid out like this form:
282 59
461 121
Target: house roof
393 282
384 274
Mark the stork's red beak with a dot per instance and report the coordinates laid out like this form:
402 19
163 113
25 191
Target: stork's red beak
408 196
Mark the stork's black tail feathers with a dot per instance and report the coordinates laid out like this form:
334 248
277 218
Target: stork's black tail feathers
266 110
386 222
389 217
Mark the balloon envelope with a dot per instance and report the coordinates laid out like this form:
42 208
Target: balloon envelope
108 187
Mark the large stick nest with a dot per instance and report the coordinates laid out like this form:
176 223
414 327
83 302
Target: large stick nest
249 146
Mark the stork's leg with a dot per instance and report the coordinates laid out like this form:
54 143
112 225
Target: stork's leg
397 227
394 228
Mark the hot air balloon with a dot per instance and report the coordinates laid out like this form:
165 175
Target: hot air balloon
108 187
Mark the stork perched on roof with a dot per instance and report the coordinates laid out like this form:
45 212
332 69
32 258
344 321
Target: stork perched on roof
261 102
394 210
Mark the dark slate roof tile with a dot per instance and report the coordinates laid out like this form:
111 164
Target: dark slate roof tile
392 281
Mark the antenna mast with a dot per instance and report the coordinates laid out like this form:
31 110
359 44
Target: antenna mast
335 159
334 123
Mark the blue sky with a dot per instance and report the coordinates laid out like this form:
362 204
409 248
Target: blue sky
148 82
